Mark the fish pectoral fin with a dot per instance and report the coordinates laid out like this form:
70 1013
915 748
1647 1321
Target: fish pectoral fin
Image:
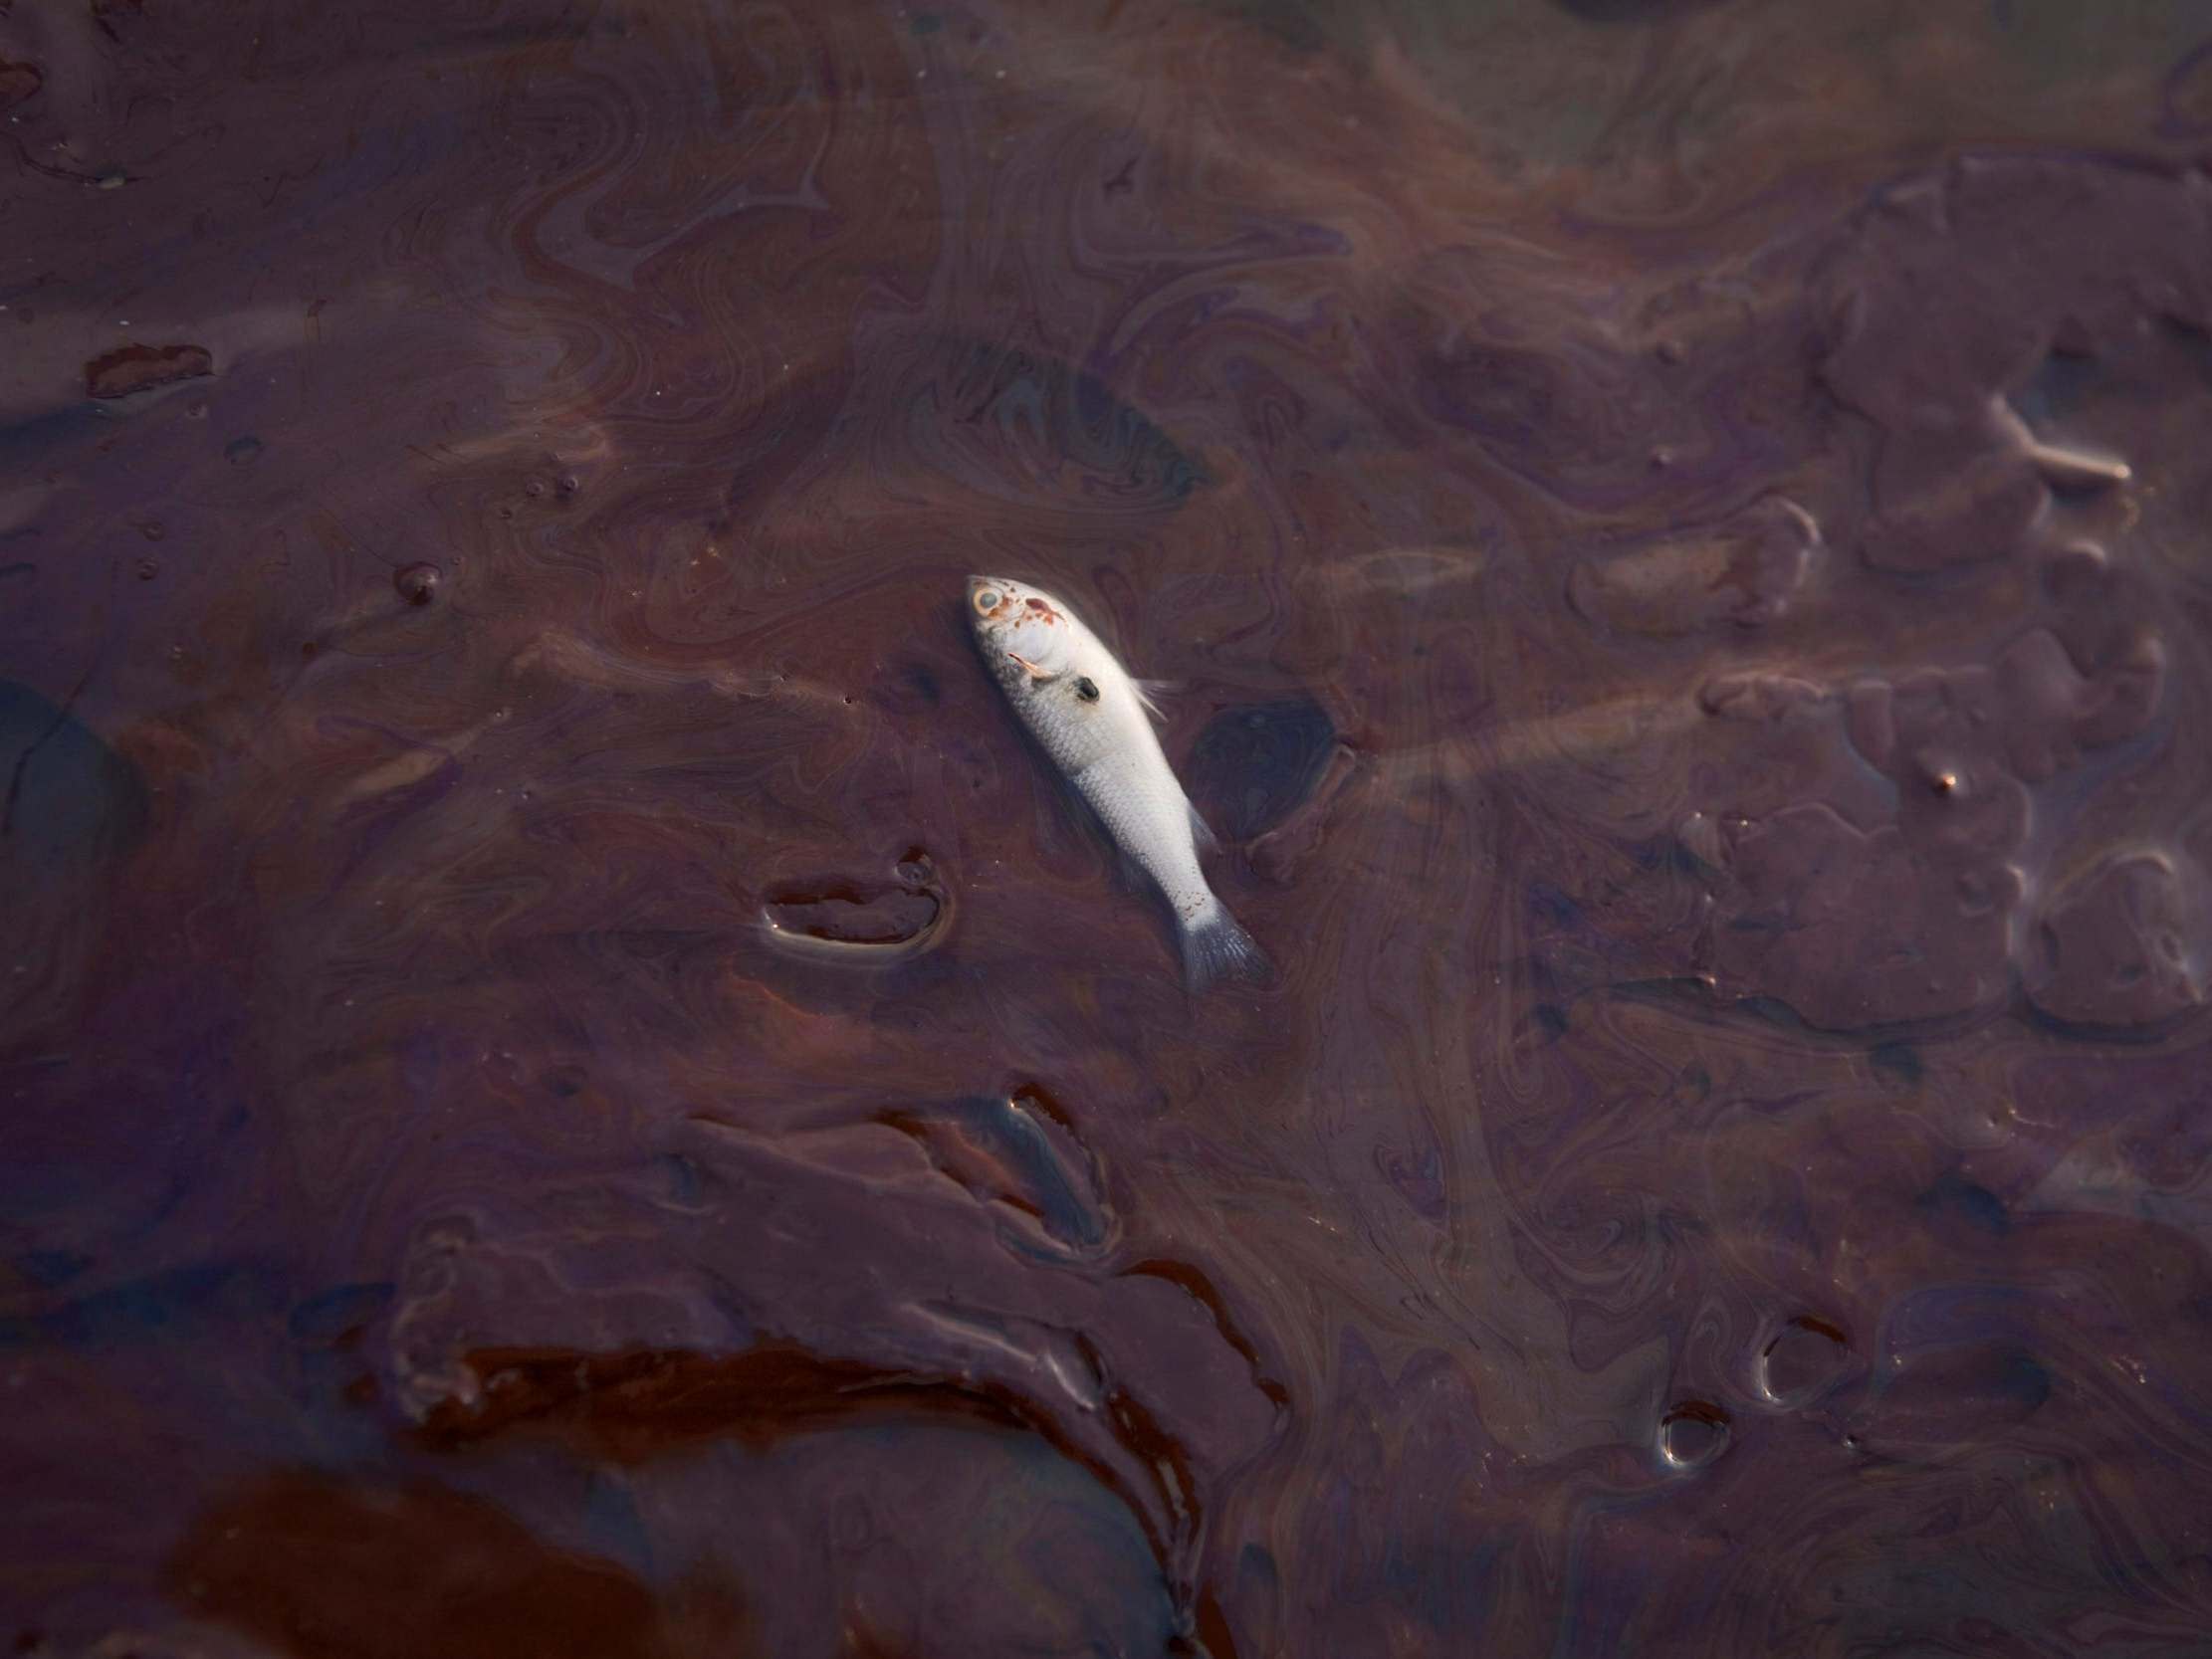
1146 691
1032 669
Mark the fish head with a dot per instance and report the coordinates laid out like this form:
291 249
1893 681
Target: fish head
1018 625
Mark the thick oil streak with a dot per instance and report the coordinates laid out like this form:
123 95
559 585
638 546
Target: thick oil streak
571 1085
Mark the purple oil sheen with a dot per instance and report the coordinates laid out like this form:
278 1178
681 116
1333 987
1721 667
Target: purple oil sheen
573 1086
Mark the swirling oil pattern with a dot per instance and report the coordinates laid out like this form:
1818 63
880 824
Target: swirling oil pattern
574 1085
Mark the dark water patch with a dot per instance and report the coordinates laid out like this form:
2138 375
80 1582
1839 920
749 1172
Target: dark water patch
1551 1020
1015 421
38 439
1252 767
1954 1197
1506 395
72 811
1899 1060
2061 389
161 1308
45 1269
342 1312
70 797
1958 1395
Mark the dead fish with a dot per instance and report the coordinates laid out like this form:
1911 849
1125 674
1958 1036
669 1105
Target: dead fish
1095 722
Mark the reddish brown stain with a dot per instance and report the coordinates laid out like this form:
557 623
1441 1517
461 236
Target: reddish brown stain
629 1406
138 368
321 1570
18 82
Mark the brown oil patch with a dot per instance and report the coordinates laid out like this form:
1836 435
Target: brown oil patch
321 1570
139 368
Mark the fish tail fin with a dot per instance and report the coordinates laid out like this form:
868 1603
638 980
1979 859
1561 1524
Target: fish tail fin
1215 948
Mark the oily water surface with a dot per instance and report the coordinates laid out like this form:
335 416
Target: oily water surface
571 1087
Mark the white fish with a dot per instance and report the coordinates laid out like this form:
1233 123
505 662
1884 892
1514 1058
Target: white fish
1093 720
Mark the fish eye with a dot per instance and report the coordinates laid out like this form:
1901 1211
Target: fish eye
987 599
1085 690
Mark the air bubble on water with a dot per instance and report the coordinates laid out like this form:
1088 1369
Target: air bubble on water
1801 1360
1692 1434
417 584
